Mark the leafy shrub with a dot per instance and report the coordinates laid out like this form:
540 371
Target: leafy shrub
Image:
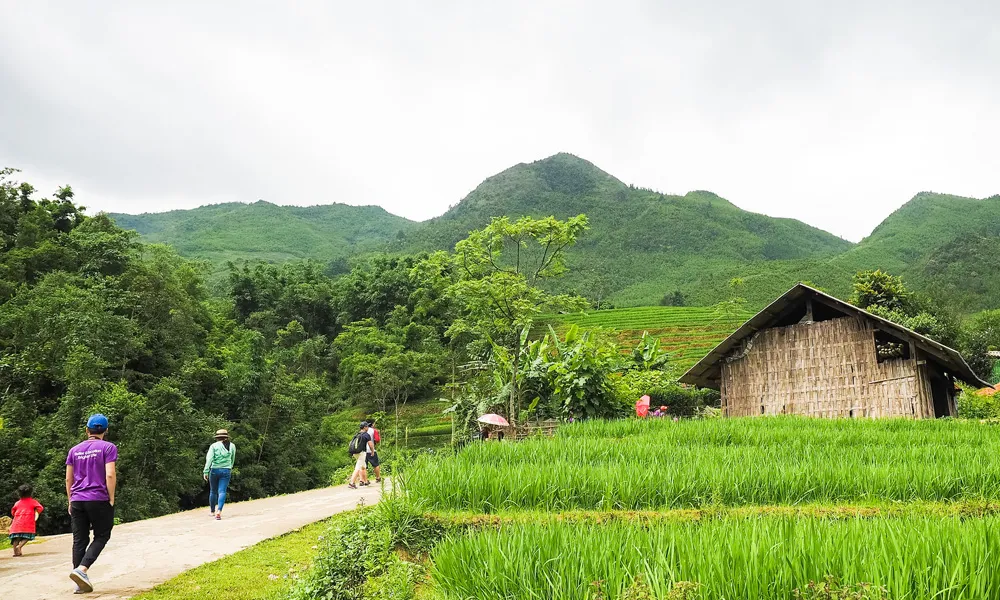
974 406
663 390
359 556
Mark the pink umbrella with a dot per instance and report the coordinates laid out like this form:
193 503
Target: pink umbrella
492 419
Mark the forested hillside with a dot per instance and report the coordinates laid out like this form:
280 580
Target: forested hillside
642 244
642 247
93 320
263 231
948 247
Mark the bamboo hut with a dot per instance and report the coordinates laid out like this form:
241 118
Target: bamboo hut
809 353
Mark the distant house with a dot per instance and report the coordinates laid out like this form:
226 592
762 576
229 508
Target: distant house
809 353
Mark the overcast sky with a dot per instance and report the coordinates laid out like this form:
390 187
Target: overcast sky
835 113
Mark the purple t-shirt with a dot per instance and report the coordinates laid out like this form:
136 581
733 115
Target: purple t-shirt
90 482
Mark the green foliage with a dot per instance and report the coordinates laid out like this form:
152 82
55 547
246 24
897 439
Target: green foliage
885 295
501 270
578 371
233 232
972 405
388 365
879 289
674 299
641 243
91 320
358 556
663 390
979 335
648 356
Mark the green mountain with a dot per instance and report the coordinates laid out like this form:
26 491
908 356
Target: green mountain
264 231
642 244
945 246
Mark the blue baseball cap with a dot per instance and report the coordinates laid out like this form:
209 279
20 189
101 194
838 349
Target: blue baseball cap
98 423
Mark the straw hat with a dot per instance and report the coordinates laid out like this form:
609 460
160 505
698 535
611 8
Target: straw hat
221 434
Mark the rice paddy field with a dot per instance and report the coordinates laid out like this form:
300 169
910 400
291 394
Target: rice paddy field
661 464
767 558
686 332
727 509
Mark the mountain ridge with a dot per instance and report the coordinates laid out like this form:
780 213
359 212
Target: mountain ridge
643 244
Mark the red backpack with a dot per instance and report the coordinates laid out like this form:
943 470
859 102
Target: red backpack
375 436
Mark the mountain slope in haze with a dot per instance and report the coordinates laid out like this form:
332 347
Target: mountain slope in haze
265 231
641 244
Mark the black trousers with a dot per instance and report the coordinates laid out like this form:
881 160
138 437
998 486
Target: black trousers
97 514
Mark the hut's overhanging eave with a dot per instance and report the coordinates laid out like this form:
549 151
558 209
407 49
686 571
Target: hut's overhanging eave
707 372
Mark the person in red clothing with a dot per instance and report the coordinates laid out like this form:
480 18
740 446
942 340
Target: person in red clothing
26 511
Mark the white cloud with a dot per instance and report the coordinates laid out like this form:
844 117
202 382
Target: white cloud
835 115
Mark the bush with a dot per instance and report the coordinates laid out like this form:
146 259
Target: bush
359 553
663 390
973 406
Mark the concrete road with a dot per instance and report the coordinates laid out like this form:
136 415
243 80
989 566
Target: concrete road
146 553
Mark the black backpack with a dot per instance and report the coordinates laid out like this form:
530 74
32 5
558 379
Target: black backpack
357 445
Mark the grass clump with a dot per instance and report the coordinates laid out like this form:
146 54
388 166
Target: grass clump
374 554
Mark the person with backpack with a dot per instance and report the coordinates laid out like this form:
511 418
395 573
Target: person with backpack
218 471
359 447
373 455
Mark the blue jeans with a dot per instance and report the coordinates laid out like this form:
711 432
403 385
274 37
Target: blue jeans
218 483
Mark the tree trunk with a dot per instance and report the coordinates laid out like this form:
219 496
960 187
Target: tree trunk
512 414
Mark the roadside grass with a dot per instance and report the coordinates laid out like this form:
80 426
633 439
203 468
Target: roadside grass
264 571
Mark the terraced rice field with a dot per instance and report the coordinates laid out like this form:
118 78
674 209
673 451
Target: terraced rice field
639 465
722 509
688 333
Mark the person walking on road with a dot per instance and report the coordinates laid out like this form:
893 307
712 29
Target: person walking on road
25 512
372 458
90 485
218 471
359 448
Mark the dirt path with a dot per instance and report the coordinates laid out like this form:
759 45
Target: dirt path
143 554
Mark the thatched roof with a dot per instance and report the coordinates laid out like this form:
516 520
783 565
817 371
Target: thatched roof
707 372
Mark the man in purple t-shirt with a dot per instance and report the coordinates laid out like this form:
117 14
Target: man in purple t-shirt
90 485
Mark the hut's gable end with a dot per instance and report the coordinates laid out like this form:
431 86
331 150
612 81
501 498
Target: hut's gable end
824 369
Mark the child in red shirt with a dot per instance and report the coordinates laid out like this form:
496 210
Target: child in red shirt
26 512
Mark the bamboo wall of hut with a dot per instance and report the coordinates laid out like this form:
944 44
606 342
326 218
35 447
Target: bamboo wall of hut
827 369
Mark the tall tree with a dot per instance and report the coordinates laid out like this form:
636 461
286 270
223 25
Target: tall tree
502 271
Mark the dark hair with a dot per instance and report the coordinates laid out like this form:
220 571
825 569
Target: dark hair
25 491
225 443
96 431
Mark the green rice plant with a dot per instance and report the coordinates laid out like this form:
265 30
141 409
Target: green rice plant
763 558
639 464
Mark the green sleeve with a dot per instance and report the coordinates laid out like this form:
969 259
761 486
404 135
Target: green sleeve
208 459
